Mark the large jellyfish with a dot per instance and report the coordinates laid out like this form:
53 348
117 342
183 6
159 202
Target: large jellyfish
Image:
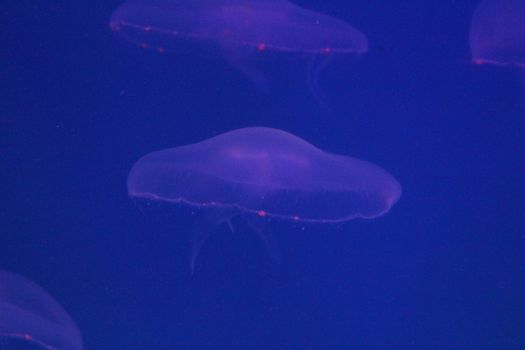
241 29
28 313
497 33
263 173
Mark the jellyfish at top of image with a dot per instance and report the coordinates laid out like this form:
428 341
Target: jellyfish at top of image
28 313
497 33
260 173
243 30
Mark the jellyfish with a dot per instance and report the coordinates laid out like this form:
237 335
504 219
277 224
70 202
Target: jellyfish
261 173
28 313
497 33
242 31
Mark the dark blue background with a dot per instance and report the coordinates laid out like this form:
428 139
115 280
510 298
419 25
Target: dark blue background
443 270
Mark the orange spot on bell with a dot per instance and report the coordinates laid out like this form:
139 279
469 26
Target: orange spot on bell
261 213
261 47
161 49
147 29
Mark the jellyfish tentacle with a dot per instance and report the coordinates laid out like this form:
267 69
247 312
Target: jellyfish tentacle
204 228
316 65
240 59
230 225
259 227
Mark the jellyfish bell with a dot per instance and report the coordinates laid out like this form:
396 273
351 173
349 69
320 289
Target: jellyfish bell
263 173
244 32
29 314
497 33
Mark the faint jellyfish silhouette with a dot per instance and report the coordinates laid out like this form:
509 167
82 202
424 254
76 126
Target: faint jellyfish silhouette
243 31
260 173
497 33
28 313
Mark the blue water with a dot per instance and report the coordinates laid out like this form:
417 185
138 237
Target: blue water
444 269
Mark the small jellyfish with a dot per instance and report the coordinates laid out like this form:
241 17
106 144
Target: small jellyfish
28 313
262 173
242 30
497 33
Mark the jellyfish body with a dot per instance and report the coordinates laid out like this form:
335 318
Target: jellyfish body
262 25
497 33
242 29
267 173
27 312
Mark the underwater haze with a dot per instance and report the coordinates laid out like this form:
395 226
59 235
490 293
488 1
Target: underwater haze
252 174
